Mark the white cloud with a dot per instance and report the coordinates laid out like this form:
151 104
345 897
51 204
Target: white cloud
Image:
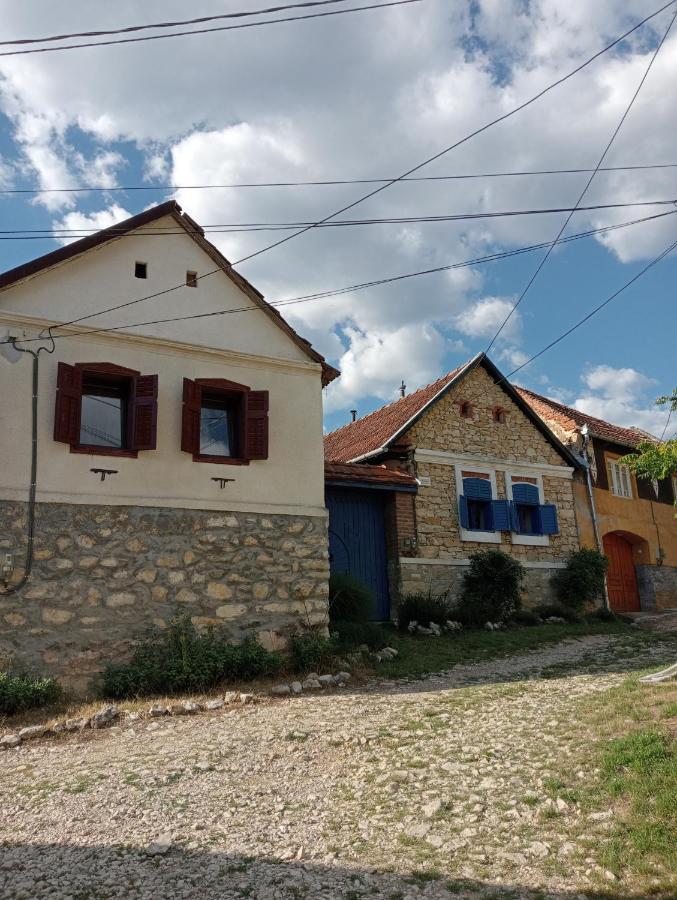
623 396
484 318
103 218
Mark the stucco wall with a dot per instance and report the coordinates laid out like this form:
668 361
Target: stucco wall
513 443
104 575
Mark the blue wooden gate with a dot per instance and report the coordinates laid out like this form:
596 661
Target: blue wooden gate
357 542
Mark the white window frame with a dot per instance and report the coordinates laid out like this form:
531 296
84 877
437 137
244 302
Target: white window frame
616 472
528 540
479 537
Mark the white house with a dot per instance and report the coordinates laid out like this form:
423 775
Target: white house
180 461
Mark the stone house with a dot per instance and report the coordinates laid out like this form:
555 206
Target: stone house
487 472
180 464
635 518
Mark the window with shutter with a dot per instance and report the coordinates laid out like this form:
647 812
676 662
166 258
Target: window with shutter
105 409
620 480
224 422
477 501
531 520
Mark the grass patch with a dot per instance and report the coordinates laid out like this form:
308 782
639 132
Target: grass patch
419 656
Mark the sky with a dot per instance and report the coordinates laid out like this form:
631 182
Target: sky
370 95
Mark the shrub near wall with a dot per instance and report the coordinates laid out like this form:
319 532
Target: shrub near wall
18 693
491 589
582 582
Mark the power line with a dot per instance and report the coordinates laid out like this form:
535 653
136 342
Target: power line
329 182
162 37
409 172
247 227
199 21
594 311
618 127
321 295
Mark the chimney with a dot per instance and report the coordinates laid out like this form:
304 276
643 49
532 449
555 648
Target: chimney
353 413
403 389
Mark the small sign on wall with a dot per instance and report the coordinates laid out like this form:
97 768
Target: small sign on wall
424 480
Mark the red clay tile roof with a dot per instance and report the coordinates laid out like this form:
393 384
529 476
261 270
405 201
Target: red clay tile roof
336 471
570 419
356 439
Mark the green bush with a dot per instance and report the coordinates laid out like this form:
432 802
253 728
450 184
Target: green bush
525 617
546 610
181 660
582 582
312 651
351 634
349 599
19 692
424 609
491 589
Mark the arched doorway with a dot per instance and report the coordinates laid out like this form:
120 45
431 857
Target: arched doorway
621 575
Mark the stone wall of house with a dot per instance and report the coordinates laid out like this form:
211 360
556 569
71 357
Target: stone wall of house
439 579
104 575
657 586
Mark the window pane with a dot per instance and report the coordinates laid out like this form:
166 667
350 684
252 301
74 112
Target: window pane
479 515
216 432
102 420
528 518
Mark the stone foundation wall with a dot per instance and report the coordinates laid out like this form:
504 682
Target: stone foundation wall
657 586
438 578
104 575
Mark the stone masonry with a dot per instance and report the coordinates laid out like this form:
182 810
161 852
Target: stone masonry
104 575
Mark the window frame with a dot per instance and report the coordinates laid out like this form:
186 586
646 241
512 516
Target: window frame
238 398
191 278
615 476
466 534
109 379
528 540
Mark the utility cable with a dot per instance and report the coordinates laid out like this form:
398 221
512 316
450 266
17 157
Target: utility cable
411 171
321 295
162 37
593 312
547 254
328 182
247 227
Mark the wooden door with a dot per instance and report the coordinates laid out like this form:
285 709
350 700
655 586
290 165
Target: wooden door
621 575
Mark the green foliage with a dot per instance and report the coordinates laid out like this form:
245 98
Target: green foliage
582 582
312 651
491 588
546 610
525 617
424 609
19 692
181 660
349 599
641 753
351 634
655 460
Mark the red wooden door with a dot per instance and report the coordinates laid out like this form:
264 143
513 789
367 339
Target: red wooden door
621 575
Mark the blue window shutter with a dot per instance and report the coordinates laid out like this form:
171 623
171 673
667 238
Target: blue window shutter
525 493
549 523
514 518
463 512
501 515
477 488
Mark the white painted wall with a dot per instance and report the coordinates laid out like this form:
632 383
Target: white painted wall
246 347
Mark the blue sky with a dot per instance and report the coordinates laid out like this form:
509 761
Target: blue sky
368 95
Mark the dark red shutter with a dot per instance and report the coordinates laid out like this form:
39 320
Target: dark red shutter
143 413
256 425
68 404
190 420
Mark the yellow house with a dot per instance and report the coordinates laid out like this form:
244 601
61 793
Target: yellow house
635 518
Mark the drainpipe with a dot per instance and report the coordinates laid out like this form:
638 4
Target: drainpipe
591 499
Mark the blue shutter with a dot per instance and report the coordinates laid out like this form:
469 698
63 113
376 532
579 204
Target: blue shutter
478 488
463 512
525 493
549 523
501 515
514 518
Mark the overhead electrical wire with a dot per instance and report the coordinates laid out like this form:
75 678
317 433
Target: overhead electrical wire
174 34
588 183
593 312
328 182
416 168
320 295
247 227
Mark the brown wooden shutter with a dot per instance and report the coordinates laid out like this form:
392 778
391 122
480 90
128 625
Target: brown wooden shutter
256 425
143 413
68 405
190 421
